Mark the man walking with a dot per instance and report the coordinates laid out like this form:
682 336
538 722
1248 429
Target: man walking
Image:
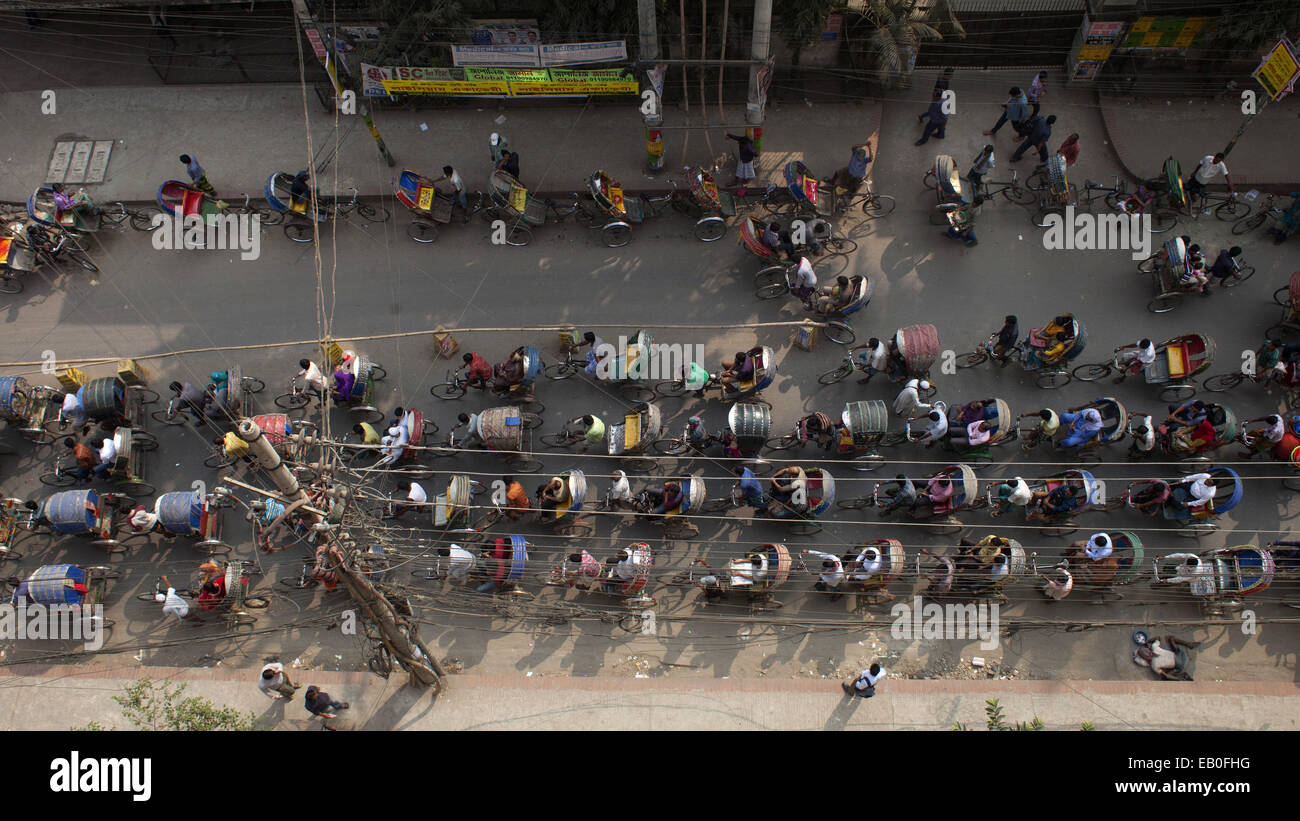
940 86
497 144
1036 91
459 197
1040 131
1015 110
197 175
937 121
865 684
275 683
321 703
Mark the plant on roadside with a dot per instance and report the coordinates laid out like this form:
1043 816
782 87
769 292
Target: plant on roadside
158 706
894 31
996 720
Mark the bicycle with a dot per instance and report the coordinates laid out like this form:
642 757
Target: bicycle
984 352
1240 273
1114 196
851 363
458 385
298 396
141 219
51 250
265 216
332 208
683 445
1266 210
1228 207
175 412
1011 190
566 438
873 205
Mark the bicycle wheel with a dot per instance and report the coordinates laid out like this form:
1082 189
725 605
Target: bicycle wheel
1163 304
860 503
292 401
1091 373
1223 382
55 478
81 259
144 219
522 463
562 370
302 582
841 333
1248 224
253 385
670 389
114 215
840 373
448 390
1019 196
672 447
373 213
929 180
1163 219
973 358
422 231
1231 210
10 285
519 236
1282 296
1242 274
217 460
177 418
530 420
1037 180
1040 216
1147 265
298 231
878 205
616 234
634 392
840 245
560 440
782 442
269 216
710 229
1050 380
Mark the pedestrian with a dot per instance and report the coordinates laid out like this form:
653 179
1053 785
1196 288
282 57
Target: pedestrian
1015 111
940 86
321 703
497 144
745 155
458 196
908 404
172 604
1070 150
865 684
980 166
1209 168
1037 89
509 163
1039 132
275 683
197 175
937 121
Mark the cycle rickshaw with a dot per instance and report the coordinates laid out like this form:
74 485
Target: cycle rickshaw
985 568
1171 501
838 329
1102 576
589 575
1056 500
802 499
1048 355
1227 430
623 212
181 200
947 188
913 350
521 210
749 426
765 368
185 513
633 437
892 562
127 472
1288 296
758 575
1058 194
627 368
360 400
1002 428
503 429
674 521
82 218
1177 361
861 432
84 513
566 514
809 193
110 401
777 268
32 410
290 438
429 205
52 584
1166 266
709 205
1114 427
949 491
1219 578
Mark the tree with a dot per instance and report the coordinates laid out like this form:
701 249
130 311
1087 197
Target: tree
151 706
897 29
1246 32
801 22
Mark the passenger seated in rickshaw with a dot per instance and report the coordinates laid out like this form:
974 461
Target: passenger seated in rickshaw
1193 276
1059 501
904 495
771 236
300 190
895 363
1195 439
834 298
344 380
1188 414
1286 224
1200 490
973 435
988 550
660 501
979 410
620 570
1263 439
399 435
511 372
939 492
739 370
749 571
553 493
1081 427
1062 326
477 369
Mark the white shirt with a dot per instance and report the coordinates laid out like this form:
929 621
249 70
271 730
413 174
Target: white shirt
1276 430
909 404
462 561
982 164
867 680
1200 491
72 409
868 565
977 436
621 489
878 356
313 377
456 181
417 494
1209 169
626 569
144 520
173 604
804 277
1021 494
271 685
107 452
831 576
935 430
1146 442
1099 547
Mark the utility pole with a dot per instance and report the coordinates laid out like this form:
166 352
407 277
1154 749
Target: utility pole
759 48
652 116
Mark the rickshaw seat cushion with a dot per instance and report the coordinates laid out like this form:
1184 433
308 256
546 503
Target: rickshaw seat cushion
1036 338
426 197
298 207
1177 355
632 432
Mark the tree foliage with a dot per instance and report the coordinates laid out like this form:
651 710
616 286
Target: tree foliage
1247 30
995 719
894 31
801 22
151 705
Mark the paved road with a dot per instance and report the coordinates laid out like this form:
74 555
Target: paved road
378 281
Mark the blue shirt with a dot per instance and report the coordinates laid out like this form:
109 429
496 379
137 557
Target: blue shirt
936 112
196 170
858 163
751 486
1018 109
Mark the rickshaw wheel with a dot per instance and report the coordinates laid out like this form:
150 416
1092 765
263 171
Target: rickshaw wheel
1147 265
670 388
524 464
945 528
366 413
1163 219
760 467
112 546
137 487
710 229
893 438
530 405
805 529
10 285
973 358
672 447
177 418
1163 304
782 442
576 529
257 602
631 622
144 440
1241 275
1291 483
103 571
377 371
1282 296
872 461
422 231
1223 382
1091 373
529 420
1177 393
722 505
772 291
1281 331
56 479
298 231
446 390
831 377
147 396
616 234
861 503
1050 380
1018 195
1058 530
519 236
841 333
641 464
633 392
880 205
142 220
562 370
1113 504
677 529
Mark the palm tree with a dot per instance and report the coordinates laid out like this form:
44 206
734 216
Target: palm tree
900 26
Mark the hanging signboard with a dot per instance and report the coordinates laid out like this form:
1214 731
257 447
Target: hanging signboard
505 32
560 54
1279 70
503 82
494 56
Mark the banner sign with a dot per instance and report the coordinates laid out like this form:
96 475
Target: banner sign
561 54
503 82
495 56
372 80
505 32
1279 71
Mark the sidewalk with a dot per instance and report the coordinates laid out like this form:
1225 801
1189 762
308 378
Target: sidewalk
241 134
58 698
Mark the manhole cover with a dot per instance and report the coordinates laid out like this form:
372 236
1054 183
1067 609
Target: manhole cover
79 161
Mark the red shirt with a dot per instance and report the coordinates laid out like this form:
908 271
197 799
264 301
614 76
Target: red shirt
1070 151
479 368
1204 432
86 457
